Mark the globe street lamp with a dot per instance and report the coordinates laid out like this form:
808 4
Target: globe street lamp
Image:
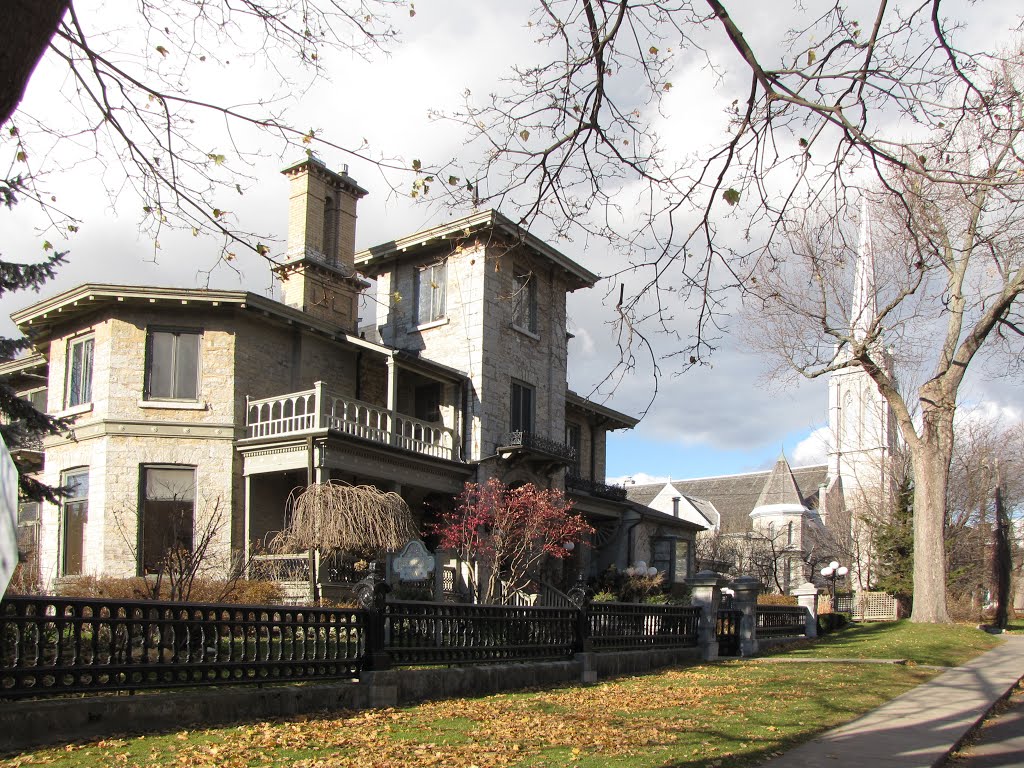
834 571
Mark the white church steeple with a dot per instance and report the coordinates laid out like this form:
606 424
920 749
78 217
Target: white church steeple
864 309
859 417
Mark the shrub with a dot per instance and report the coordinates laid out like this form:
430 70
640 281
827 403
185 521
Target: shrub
240 591
24 581
831 622
767 599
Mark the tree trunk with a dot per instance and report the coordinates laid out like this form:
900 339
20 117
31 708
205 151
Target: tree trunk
1003 559
26 27
931 458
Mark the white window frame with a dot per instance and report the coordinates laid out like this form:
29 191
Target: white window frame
81 395
431 304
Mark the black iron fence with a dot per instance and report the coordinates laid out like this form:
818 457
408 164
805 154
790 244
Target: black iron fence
595 488
449 633
622 626
727 631
781 621
61 645
51 645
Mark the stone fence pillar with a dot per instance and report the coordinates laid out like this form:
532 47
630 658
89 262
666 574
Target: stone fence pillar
746 590
707 593
807 596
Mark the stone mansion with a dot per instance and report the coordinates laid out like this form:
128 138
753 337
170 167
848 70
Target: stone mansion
208 407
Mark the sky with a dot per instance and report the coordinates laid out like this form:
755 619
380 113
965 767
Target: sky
720 418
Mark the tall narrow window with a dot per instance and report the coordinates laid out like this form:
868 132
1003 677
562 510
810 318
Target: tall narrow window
521 408
681 569
79 389
168 514
662 557
172 367
75 515
430 293
572 439
524 296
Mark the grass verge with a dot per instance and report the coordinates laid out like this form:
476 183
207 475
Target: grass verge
944 646
734 713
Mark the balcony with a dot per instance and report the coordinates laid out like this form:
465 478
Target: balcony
529 442
595 488
300 413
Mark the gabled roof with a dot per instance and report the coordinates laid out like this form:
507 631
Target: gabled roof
735 496
377 259
643 494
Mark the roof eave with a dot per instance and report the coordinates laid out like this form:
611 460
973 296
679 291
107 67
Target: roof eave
375 260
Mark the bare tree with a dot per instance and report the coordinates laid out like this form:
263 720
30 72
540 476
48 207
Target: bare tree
580 136
950 258
337 517
140 113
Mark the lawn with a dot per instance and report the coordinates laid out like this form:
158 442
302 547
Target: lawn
733 713
947 646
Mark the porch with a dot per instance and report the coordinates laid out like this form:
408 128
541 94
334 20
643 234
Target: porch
298 414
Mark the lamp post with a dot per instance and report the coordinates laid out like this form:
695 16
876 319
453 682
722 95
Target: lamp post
834 571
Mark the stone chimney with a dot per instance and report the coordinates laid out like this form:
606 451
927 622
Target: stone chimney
318 275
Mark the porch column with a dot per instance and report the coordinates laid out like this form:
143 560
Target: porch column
392 398
246 522
707 594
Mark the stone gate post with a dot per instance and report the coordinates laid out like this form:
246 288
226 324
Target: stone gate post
707 593
746 590
807 596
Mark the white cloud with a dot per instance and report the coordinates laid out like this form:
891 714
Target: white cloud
640 478
813 449
988 412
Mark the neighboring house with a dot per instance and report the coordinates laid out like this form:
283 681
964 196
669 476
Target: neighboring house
196 412
780 520
784 523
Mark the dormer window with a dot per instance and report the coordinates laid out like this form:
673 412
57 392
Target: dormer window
524 298
430 293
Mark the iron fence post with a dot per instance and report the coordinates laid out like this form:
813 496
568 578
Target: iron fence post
579 595
371 593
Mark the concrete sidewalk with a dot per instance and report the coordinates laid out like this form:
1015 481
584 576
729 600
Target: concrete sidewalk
920 728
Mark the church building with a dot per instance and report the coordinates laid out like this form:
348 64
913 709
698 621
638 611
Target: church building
783 524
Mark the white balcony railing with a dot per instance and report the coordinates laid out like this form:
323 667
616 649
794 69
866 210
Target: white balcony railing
315 409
